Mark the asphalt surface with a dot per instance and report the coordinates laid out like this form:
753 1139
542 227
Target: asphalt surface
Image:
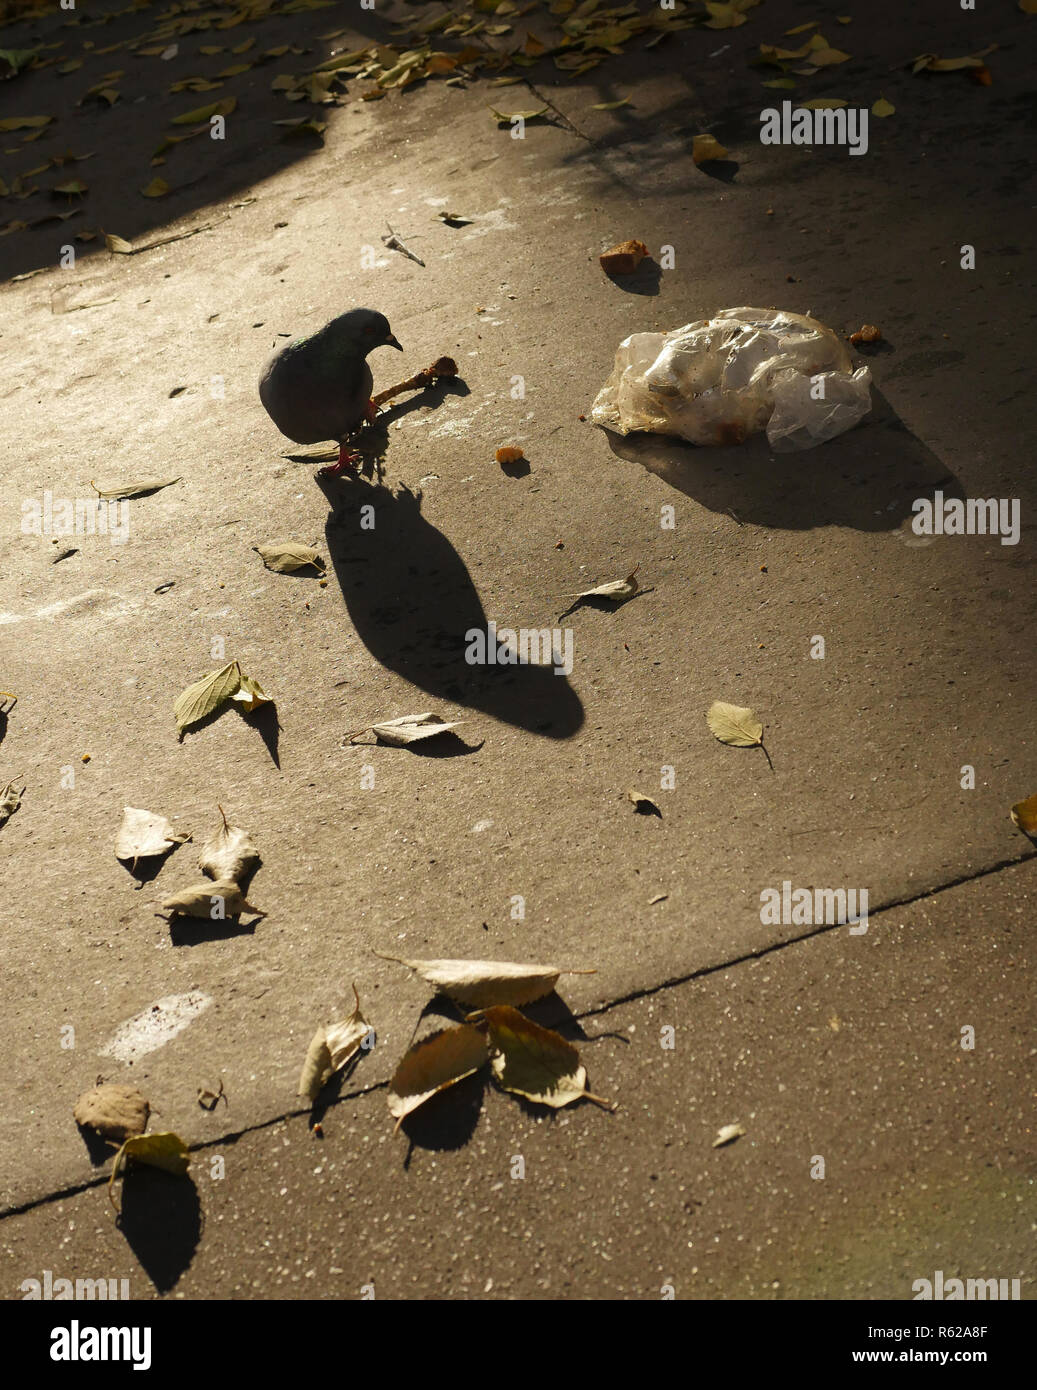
929 663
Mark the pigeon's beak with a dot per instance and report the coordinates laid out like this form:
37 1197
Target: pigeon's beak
391 342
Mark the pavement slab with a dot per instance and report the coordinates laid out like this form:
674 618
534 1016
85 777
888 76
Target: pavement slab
877 1149
518 842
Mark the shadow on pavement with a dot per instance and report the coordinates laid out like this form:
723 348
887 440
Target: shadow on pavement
161 1218
866 479
411 600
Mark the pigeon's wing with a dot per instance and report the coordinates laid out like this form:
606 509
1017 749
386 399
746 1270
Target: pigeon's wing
312 395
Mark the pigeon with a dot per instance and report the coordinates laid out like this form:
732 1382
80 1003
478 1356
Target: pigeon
320 387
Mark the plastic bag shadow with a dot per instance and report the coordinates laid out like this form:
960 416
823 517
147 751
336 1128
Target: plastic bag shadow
866 479
412 602
161 1218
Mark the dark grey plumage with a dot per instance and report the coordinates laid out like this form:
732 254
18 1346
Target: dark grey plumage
319 387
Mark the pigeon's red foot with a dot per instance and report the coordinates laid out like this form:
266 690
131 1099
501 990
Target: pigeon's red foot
346 463
371 413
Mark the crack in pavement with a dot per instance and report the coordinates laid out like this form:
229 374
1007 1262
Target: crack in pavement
633 997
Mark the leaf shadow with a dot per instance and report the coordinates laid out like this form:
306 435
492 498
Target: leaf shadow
98 1149
448 1120
147 869
195 931
161 1218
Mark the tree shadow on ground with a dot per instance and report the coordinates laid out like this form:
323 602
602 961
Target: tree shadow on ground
866 479
411 599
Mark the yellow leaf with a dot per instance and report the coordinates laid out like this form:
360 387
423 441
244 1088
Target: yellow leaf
506 116
201 898
332 1048
481 983
823 103
234 70
707 147
24 122
882 107
802 28
250 695
824 57
140 486
1024 813
205 113
734 725
531 1061
610 105
285 556
157 188
723 16
1028 6
205 695
434 1064
166 1150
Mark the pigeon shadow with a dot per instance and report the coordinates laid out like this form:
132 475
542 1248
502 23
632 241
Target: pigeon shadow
161 1218
866 479
411 600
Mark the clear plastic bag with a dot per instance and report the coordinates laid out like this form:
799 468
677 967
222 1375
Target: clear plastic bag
719 380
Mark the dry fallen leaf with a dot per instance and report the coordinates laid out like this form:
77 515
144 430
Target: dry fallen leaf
734 725
285 556
882 107
205 695
432 1065
929 62
157 188
166 1150
644 805
867 333
481 983
10 800
410 728
332 1047
615 589
230 854
139 488
727 1135
531 1061
205 113
118 244
143 834
115 1112
250 694
24 122
611 105
1024 813
214 901
508 116
707 147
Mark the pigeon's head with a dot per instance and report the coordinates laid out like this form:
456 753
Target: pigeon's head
365 329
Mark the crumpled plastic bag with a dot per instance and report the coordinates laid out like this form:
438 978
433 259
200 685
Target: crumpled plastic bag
719 380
